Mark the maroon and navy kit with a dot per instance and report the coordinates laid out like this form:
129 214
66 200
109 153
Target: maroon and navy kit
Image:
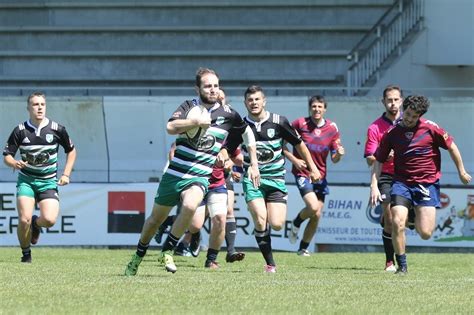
320 142
417 158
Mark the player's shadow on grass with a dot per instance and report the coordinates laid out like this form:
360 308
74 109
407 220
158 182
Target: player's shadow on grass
341 268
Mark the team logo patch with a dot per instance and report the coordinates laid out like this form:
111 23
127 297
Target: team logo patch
271 132
206 142
317 132
220 120
49 138
409 135
445 136
301 181
264 155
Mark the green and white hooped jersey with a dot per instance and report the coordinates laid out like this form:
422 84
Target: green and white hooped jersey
39 147
270 135
197 159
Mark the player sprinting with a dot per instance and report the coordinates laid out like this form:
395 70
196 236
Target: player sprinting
186 179
417 159
392 101
38 140
322 138
267 203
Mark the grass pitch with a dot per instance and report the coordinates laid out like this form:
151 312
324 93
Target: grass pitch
84 281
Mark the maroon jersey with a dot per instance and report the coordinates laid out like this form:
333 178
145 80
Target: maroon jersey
374 134
319 140
417 157
218 175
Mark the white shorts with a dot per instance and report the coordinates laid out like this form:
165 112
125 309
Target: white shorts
216 203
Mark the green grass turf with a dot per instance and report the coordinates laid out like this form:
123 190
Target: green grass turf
76 280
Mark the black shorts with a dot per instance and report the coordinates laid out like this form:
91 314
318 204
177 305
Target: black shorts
229 183
385 186
47 194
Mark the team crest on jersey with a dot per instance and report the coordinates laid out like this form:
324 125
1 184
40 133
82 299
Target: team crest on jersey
271 133
49 138
264 155
205 142
317 132
445 136
409 135
220 120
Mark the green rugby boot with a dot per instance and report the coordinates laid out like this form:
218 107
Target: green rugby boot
132 266
167 259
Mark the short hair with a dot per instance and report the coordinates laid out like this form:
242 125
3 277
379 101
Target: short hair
317 98
253 89
417 103
202 72
37 93
392 87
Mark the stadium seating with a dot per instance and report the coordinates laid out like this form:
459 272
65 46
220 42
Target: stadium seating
144 47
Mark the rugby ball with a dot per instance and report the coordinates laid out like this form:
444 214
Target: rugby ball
194 134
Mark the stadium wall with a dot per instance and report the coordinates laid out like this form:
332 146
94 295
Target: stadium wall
440 60
123 139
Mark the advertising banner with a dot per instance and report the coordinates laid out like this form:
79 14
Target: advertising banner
113 214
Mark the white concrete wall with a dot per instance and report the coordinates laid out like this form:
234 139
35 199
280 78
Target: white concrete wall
450 26
84 121
440 61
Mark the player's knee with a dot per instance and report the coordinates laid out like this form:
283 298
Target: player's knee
48 222
425 234
219 220
188 207
277 226
24 220
313 210
398 225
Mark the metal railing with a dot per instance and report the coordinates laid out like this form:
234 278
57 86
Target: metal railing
383 41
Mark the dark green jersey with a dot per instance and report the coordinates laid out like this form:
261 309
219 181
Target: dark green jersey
196 157
39 147
270 135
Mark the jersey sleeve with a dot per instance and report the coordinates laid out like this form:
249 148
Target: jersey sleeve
234 139
13 143
64 140
181 111
371 143
384 148
238 124
336 138
289 133
441 137
296 124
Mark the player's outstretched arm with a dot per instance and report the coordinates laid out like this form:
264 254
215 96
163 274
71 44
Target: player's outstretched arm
375 196
70 160
11 162
304 153
298 163
248 138
457 159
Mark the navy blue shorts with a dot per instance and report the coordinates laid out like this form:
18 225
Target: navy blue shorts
320 188
219 190
418 194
